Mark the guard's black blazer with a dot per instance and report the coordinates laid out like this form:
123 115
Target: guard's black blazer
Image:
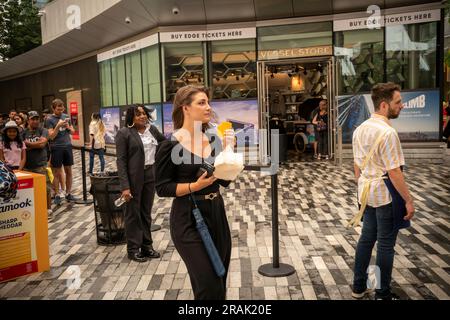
131 157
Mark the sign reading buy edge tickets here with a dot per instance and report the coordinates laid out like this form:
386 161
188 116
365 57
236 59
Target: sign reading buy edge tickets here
24 229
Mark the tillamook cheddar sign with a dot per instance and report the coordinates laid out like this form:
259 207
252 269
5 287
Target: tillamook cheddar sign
23 229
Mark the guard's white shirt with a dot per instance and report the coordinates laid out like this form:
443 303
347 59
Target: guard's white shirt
150 144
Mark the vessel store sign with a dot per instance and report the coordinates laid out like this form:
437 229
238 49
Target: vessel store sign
295 52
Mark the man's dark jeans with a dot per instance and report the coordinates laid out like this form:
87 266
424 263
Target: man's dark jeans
377 226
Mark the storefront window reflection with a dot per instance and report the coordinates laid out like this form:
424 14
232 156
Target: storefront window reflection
105 83
118 81
151 74
184 65
234 69
295 41
134 77
360 54
411 55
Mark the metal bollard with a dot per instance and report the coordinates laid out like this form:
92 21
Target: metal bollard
275 269
83 177
340 146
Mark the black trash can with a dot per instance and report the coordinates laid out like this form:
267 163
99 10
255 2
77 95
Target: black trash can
109 220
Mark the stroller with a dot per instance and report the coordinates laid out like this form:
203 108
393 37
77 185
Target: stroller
304 139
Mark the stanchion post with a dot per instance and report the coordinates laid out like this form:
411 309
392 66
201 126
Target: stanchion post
83 177
83 169
275 269
275 228
340 146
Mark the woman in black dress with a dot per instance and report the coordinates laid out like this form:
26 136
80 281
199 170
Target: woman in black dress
177 164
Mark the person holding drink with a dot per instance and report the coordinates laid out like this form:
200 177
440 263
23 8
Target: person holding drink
183 171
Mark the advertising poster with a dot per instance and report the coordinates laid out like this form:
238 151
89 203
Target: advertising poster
75 111
20 248
156 115
74 120
418 121
111 119
243 115
168 124
123 111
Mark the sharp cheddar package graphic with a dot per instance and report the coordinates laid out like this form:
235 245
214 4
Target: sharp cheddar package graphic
24 229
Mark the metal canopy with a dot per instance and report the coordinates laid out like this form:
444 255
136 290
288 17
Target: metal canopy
110 27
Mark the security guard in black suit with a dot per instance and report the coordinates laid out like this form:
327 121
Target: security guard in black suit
136 147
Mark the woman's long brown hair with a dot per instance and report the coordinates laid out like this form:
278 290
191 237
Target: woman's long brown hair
184 97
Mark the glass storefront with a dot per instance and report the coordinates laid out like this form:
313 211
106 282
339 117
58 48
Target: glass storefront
134 77
296 40
405 54
119 87
411 55
131 78
183 65
151 80
234 69
105 83
360 54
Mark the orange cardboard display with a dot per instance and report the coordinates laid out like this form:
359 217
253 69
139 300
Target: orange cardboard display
24 229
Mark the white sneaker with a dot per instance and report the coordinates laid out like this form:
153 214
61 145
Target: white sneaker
49 214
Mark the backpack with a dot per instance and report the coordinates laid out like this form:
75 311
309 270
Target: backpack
8 183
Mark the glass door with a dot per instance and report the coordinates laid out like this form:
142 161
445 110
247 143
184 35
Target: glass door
336 133
264 117
332 105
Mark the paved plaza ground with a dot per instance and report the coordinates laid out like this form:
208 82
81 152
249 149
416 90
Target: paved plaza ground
316 202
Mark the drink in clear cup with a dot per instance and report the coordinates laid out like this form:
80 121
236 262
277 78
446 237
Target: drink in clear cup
229 137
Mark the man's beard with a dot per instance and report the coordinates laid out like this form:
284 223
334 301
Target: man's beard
392 114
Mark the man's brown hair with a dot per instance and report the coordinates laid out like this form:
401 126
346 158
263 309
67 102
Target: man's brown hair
383 92
57 103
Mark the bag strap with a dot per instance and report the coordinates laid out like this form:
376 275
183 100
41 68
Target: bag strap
192 197
355 221
373 149
196 212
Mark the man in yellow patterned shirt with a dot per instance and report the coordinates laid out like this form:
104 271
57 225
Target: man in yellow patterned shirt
378 156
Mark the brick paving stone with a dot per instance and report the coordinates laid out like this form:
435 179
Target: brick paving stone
316 201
